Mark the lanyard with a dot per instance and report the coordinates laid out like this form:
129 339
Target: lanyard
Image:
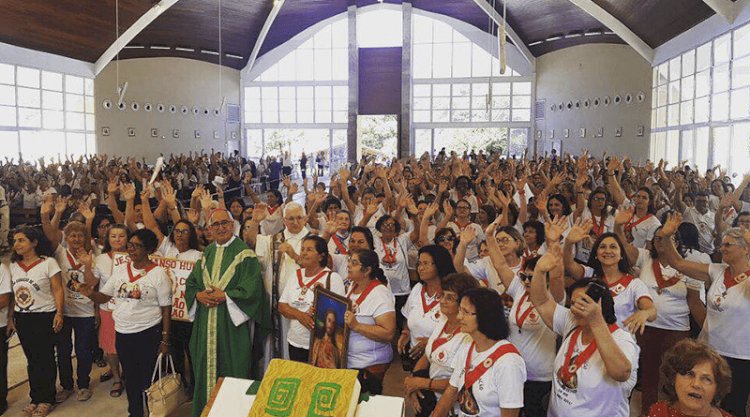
570 367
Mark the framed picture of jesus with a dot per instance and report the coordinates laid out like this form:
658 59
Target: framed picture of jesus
329 338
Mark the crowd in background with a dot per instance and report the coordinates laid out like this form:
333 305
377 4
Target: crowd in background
507 286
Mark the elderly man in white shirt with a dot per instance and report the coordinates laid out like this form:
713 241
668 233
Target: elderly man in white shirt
279 259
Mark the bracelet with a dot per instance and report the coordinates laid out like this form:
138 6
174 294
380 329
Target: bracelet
164 333
165 343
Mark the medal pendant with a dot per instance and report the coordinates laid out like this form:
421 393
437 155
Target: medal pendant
739 278
303 292
659 291
573 368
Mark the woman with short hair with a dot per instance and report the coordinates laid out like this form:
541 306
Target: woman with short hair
488 372
697 379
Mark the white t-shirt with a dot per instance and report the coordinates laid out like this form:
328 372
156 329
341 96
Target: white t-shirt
471 198
139 303
299 335
703 258
167 249
76 304
341 267
482 269
32 289
4 289
583 248
333 249
727 312
501 386
396 272
596 394
441 358
672 312
421 323
643 231
627 291
274 223
534 340
705 224
364 352
472 251
287 267
104 266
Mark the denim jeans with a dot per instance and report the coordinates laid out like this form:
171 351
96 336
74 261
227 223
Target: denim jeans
85 331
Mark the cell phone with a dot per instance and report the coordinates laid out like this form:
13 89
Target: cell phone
595 290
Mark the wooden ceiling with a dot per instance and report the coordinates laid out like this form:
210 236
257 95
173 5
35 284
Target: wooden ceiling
84 29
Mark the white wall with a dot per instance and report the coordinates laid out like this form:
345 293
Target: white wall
587 72
167 81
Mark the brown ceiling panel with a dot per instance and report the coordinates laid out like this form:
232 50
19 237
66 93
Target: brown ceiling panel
80 29
657 21
195 24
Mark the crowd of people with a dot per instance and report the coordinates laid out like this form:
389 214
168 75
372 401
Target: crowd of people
527 286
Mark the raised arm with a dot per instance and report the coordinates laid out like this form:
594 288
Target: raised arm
149 221
504 272
465 238
618 195
616 364
666 249
538 293
49 230
622 216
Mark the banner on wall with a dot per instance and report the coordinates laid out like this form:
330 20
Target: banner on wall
177 270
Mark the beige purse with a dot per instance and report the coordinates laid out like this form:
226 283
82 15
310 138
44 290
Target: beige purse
165 395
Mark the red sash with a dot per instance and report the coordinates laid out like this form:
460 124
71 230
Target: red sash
632 224
29 267
371 286
388 256
569 369
462 228
271 210
598 229
72 261
730 281
474 375
339 245
427 307
621 285
134 278
660 281
440 341
522 317
312 282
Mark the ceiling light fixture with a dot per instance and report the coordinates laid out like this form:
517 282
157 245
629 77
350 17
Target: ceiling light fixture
181 49
133 47
573 35
535 43
233 56
593 33
608 32
553 38
209 52
160 47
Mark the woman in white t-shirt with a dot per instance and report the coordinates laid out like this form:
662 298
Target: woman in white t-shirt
488 371
116 242
392 248
506 246
433 370
596 366
597 210
297 297
372 321
725 327
142 314
38 313
463 222
422 308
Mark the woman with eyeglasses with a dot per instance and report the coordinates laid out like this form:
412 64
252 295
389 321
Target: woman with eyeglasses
297 297
597 210
462 222
372 320
533 237
38 313
432 372
596 365
117 240
642 224
488 371
725 327
142 314
392 248
422 308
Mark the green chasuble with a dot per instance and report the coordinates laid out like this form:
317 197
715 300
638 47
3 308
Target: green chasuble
218 347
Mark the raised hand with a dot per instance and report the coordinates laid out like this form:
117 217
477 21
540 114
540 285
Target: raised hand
371 209
127 191
448 209
550 259
431 210
193 216
61 203
554 229
580 230
671 225
113 185
168 194
47 205
467 235
624 214
85 210
260 212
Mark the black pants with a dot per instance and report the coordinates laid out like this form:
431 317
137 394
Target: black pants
85 341
736 401
138 352
304 172
274 183
298 354
287 171
3 368
536 398
38 343
180 340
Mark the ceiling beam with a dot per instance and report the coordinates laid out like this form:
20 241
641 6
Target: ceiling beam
616 26
724 8
495 16
263 33
155 11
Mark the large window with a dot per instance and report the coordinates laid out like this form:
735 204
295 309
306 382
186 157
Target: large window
300 104
701 105
45 114
460 100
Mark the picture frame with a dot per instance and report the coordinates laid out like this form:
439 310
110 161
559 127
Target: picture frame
640 131
216 134
154 132
197 134
566 133
105 131
328 345
176 133
234 135
618 132
599 133
131 132
538 134
551 134
582 132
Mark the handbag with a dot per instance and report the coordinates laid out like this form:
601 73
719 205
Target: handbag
166 394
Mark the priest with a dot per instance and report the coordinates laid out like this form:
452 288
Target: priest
225 296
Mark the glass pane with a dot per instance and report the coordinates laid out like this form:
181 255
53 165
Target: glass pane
674 91
658 143
27 77
662 95
522 88
500 115
91 143
702 110
722 146
73 84
521 115
422 142
701 148
74 121
380 28
663 73
688 63
322 64
75 144
742 41
53 119
421 116
721 49
481 62
339 149
686 112
675 69
661 117
340 34
703 83
7 74
687 88
741 104
741 72
720 107
422 29
304 64
7 95
740 155
422 90
673 145
501 89
422 61
90 122
29 97
287 71
442 59
7 116
703 57
462 59
52 81
8 145
721 78
687 146
37 144
29 117
254 143
673 115
74 102
340 64
88 86
518 142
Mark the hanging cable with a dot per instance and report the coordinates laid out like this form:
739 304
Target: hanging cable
117 47
220 53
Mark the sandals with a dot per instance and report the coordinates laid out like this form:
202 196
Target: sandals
42 410
106 376
28 410
116 392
